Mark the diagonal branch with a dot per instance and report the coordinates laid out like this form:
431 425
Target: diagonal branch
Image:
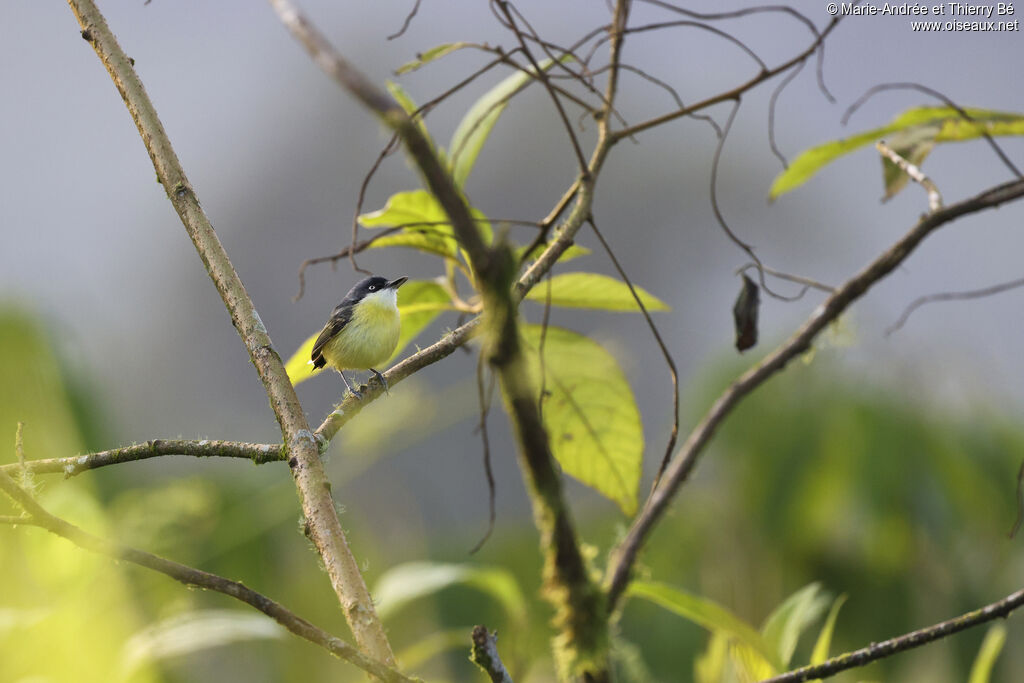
909 641
302 447
624 555
392 115
38 516
580 614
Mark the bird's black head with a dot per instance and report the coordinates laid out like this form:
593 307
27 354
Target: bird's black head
370 285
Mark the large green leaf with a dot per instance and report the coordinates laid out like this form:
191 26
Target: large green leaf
419 302
591 290
407 582
191 632
430 55
821 646
589 412
707 614
429 646
952 127
783 627
991 646
424 224
475 127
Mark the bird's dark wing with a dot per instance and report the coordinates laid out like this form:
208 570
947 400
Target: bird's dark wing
339 318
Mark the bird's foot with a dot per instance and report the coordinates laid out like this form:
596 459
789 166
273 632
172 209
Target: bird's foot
352 390
383 381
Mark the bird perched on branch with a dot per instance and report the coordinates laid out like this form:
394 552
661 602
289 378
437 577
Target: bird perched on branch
363 329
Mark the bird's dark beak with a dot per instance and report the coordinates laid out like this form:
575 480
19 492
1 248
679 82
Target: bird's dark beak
397 282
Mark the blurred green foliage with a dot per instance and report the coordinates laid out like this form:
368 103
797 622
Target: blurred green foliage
876 493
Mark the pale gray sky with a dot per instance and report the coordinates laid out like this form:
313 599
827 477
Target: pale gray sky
276 154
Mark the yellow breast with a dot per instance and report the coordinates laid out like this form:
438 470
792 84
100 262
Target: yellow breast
369 338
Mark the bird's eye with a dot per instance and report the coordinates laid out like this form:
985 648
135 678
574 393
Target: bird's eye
373 287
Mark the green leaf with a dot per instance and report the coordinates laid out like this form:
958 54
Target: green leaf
914 145
824 642
590 290
419 302
709 667
424 224
430 55
431 645
749 664
407 582
628 663
193 632
706 614
475 127
991 646
589 412
783 627
952 128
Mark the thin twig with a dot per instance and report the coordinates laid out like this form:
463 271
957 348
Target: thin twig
717 210
484 400
379 102
408 20
871 92
728 94
807 282
909 641
389 149
952 296
258 453
772 101
704 27
624 554
915 173
666 354
38 516
543 77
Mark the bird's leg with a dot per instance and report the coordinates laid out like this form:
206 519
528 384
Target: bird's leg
354 392
382 380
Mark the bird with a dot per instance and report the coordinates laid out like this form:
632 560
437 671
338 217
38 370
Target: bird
362 331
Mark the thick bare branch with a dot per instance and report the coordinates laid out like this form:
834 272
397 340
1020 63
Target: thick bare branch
302 447
624 555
